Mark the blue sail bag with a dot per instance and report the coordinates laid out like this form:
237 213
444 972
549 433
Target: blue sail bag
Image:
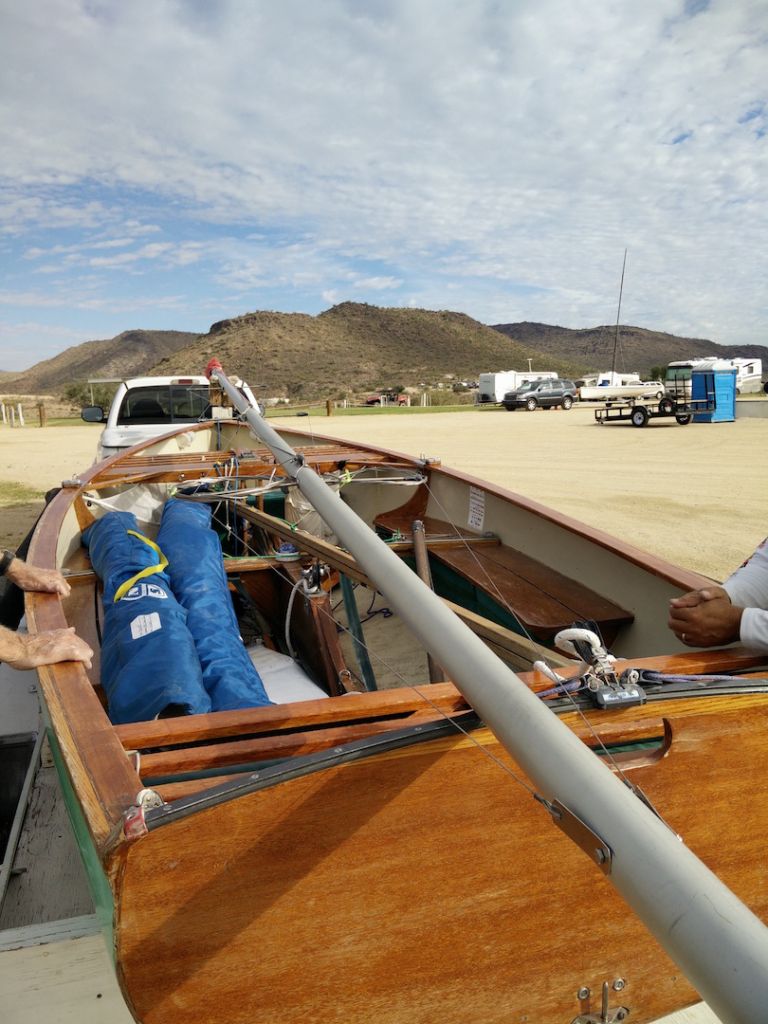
198 579
149 665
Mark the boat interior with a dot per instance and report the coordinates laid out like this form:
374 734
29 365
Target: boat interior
336 661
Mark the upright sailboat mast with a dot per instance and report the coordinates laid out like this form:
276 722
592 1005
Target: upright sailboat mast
720 945
618 319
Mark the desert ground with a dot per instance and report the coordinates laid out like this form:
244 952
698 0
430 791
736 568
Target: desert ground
697 495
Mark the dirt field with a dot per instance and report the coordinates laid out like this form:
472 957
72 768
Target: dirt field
698 495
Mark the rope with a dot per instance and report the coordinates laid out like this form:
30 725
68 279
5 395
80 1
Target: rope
150 570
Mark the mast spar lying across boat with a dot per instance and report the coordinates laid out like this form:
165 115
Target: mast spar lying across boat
720 945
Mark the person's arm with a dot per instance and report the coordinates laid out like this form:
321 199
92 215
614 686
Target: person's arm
748 586
754 628
31 577
705 618
738 610
23 650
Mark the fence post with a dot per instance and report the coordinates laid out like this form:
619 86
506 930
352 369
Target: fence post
42 413
329 407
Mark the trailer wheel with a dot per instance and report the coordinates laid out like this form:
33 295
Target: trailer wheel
531 404
683 418
639 416
666 406
567 402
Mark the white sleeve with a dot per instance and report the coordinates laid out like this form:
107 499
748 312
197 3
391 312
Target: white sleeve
748 586
754 628
748 589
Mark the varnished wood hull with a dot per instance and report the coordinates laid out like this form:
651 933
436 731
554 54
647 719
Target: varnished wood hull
424 883
426 886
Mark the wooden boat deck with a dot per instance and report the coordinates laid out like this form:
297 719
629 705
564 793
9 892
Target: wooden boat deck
256 461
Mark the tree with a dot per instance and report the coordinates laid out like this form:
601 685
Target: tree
82 393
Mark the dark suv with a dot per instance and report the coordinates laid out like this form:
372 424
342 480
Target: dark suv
541 393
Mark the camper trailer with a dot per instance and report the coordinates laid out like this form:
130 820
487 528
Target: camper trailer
493 386
749 374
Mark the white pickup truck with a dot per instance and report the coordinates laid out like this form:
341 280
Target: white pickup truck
147 407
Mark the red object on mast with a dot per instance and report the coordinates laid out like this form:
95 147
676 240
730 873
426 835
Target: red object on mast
214 364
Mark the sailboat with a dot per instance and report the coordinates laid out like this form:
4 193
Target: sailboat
519 813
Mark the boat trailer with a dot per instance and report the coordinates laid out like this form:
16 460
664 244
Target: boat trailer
639 410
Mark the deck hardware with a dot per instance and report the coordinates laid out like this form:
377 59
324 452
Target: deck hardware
607 1014
134 819
313 576
618 695
605 687
581 834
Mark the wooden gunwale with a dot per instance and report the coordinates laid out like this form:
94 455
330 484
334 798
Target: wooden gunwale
323 459
99 771
393 704
266 748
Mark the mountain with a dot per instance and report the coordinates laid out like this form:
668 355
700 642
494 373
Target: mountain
637 349
130 353
351 348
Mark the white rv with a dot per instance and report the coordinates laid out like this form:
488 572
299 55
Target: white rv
493 386
749 373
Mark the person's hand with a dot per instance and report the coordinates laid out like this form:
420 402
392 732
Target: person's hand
704 618
31 577
48 648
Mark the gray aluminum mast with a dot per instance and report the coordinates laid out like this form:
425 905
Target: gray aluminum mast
720 945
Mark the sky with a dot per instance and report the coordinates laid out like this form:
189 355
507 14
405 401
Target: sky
166 164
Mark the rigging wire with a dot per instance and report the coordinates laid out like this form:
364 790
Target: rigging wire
230 497
494 589
417 690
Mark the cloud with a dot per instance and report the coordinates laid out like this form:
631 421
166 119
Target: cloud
376 284
493 157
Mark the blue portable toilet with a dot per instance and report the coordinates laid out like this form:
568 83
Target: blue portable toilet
713 391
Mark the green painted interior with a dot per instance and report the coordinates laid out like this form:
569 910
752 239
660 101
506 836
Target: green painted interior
101 890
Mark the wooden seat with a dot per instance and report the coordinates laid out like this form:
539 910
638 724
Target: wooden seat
542 599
